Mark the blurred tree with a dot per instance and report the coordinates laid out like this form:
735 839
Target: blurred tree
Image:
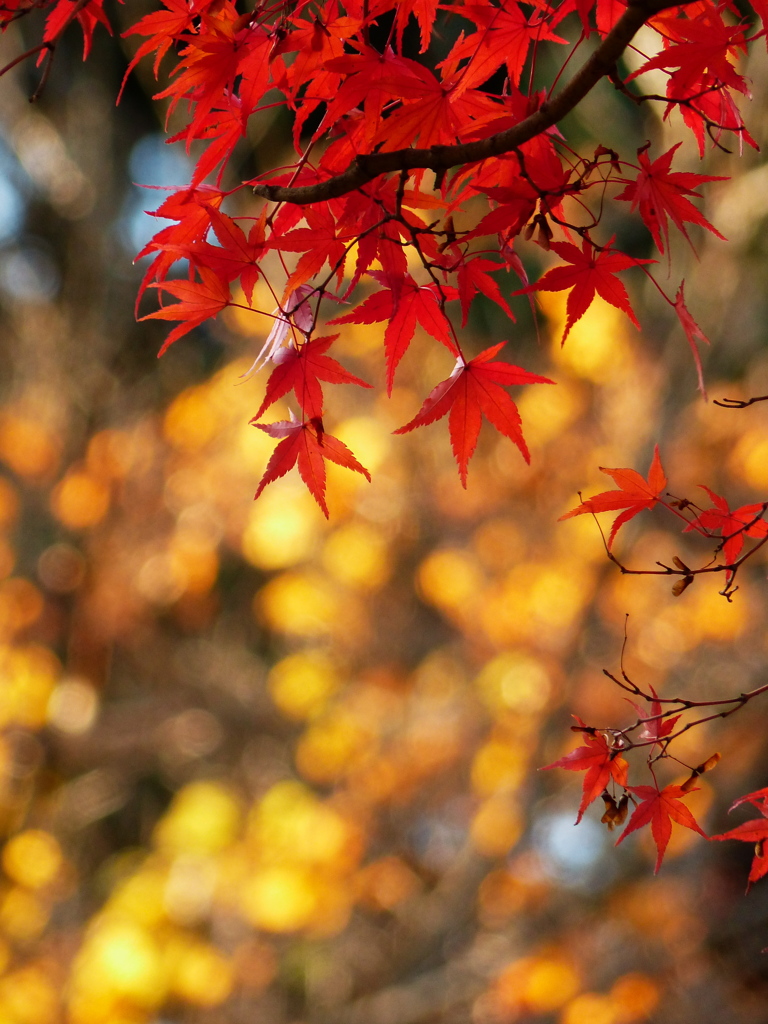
257 765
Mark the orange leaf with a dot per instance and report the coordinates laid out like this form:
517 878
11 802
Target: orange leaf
635 495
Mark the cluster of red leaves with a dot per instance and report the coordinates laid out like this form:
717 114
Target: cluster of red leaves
601 756
321 64
636 494
604 764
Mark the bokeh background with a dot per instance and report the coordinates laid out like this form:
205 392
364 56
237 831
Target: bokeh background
256 766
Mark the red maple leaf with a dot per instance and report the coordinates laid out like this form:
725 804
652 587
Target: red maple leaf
703 46
655 728
734 526
504 37
660 808
476 389
660 193
693 333
474 275
411 304
755 831
200 300
308 445
162 27
600 762
317 243
590 272
300 370
235 256
635 495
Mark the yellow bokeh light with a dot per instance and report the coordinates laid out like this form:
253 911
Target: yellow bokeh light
496 827
203 818
194 562
21 604
301 684
28 446
32 858
514 682
140 897
280 898
29 677
80 500
356 555
498 766
547 412
291 824
201 975
192 420
749 458
28 996
450 579
635 997
590 1008
368 438
23 916
332 746
123 959
303 604
282 528
538 984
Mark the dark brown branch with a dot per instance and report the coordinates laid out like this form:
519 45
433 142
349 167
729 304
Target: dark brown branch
368 166
739 403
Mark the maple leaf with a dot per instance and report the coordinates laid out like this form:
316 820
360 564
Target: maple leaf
235 256
601 763
734 525
660 807
473 277
88 16
590 272
162 27
300 370
635 495
704 45
200 300
693 333
307 444
660 193
472 391
504 37
413 304
655 728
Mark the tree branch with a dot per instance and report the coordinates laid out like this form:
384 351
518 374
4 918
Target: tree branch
367 166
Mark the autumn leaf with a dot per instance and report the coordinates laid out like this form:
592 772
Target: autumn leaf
199 301
733 526
660 808
660 193
591 272
410 305
635 495
300 370
693 333
655 728
307 444
601 763
755 831
476 389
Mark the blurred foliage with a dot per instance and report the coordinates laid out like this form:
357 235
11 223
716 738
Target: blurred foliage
259 767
